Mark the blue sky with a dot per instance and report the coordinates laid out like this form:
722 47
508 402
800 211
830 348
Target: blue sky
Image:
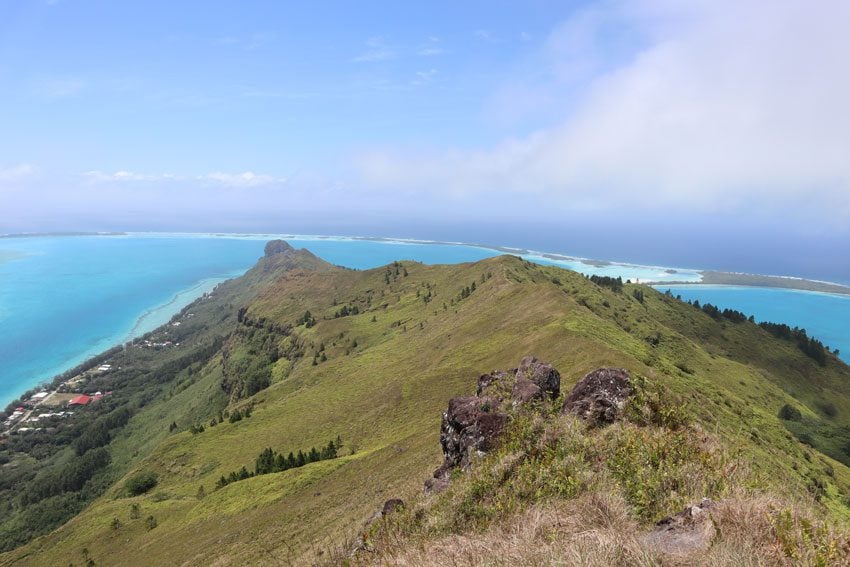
531 123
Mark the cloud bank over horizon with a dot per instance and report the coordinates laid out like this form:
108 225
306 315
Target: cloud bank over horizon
730 106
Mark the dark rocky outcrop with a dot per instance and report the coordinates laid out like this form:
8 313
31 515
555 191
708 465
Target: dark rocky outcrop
532 380
542 374
691 530
525 391
600 396
277 247
473 425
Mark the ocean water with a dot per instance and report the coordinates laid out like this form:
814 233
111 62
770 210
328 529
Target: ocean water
64 299
825 316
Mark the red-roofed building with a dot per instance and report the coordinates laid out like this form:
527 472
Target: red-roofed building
80 400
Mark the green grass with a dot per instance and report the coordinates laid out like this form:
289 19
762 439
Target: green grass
391 370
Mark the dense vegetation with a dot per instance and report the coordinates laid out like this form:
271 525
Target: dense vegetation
270 461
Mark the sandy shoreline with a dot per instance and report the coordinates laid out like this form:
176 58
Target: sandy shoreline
146 322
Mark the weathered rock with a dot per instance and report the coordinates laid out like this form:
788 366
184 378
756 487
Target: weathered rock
599 397
392 505
540 373
277 247
498 381
470 425
474 425
525 391
689 531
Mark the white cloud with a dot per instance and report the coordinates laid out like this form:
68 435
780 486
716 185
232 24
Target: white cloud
376 50
16 172
424 77
244 179
123 176
730 105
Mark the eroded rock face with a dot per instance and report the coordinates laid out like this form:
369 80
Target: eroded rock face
277 247
540 373
525 391
600 396
474 425
689 531
471 425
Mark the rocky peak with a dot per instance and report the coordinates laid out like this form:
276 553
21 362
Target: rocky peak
277 247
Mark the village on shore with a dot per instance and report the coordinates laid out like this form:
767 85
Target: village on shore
42 410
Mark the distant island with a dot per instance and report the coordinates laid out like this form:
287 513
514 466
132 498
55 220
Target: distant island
755 280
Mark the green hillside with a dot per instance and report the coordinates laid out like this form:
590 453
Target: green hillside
304 353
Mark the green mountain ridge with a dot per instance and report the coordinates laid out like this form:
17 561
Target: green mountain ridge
304 352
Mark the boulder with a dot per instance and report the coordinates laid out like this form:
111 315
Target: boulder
540 373
691 530
600 396
525 391
474 425
470 426
392 505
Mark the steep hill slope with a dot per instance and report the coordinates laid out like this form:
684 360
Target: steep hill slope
312 352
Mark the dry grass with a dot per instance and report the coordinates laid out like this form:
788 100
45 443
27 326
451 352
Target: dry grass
589 530
598 529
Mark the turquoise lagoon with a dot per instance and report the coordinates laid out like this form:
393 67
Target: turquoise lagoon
825 316
66 298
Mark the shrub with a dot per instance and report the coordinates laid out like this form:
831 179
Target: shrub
140 483
790 413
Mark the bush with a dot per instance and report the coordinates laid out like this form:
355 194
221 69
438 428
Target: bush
790 413
140 483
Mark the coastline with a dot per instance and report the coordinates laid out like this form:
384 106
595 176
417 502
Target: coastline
160 314
706 276
149 320
716 277
564 260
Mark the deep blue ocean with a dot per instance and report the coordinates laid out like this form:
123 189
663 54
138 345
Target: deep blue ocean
64 299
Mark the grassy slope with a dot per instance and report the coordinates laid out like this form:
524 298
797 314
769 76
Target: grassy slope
385 396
